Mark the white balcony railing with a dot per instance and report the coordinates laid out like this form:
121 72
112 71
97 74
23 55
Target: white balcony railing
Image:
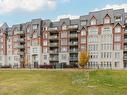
73 27
73 43
19 32
53 37
73 35
52 29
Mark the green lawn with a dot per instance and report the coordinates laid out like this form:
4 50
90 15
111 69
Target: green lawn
62 82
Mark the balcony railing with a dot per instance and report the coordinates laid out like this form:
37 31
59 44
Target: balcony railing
53 44
73 50
54 52
73 43
53 37
54 59
73 27
73 58
20 46
125 40
19 32
73 35
125 57
20 53
53 29
20 40
125 30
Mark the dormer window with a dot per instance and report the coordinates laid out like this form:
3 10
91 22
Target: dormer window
64 27
93 21
35 26
83 32
83 22
28 29
106 19
126 20
117 29
118 18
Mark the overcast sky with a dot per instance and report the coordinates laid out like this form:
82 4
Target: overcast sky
19 11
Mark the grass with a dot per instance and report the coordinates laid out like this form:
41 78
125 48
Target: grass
62 82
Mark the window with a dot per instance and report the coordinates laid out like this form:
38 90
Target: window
16 58
83 47
64 42
64 57
63 49
117 55
117 38
117 29
116 64
63 34
0 58
45 43
118 18
45 36
83 40
45 28
45 57
83 32
9 58
126 20
93 30
93 21
107 29
117 46
35 50
64 27
45 50
35 35
28 29
106 20
34 42
36 58
83 23
28 51
35 26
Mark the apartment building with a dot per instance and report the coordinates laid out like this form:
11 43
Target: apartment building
102 33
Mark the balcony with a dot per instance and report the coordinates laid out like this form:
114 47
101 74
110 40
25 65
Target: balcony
125 40
20 40
53 44
53 37
74 51
73 35
125 30
73 58
20 47
73 27
73 43
53 29
125 57
54 52
21 53
20 32
54 59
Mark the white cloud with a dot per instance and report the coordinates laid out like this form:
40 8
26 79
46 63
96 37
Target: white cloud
66 16
114 6
7 6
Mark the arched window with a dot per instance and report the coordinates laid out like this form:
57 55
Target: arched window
106 19
28 29
93 21
83 32
64 26
117 29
